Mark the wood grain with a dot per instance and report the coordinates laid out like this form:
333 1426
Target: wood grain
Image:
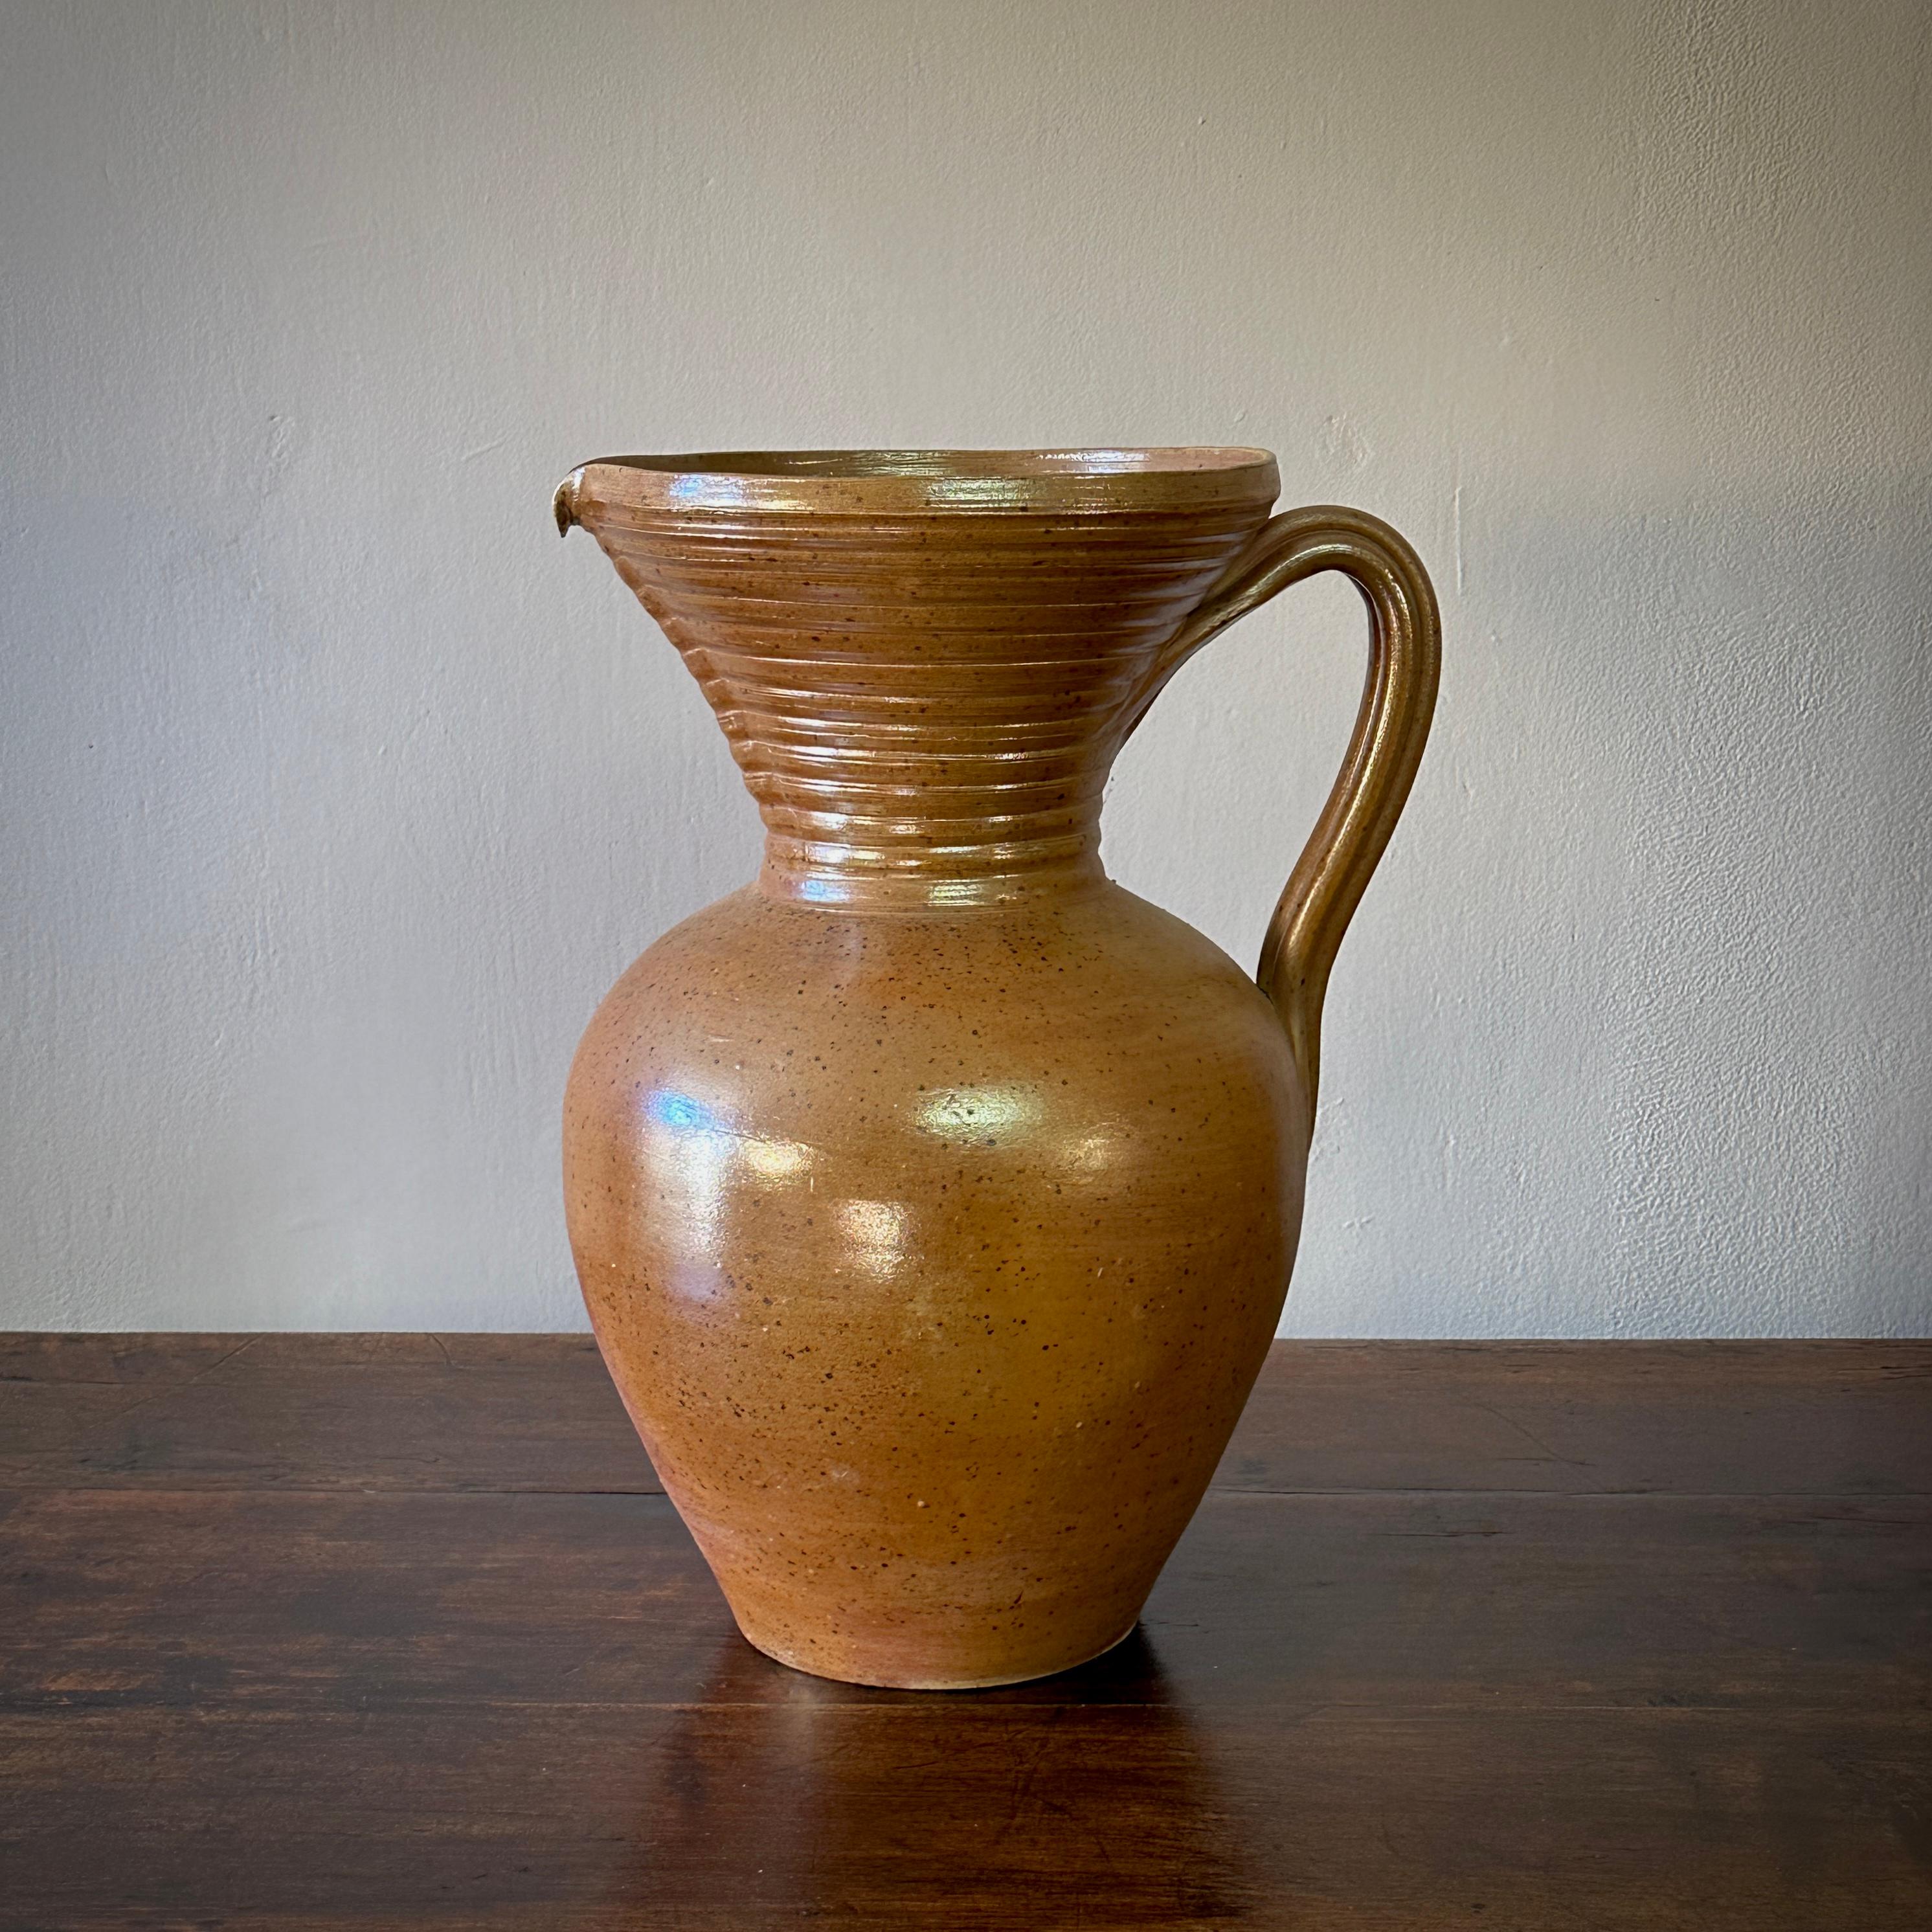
1471 1602
1724 1418
475 1412
537 1412
988 1816
360 1632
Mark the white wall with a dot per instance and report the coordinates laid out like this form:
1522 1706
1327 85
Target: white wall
337 790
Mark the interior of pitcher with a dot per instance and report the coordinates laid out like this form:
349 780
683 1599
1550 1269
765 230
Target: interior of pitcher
962 463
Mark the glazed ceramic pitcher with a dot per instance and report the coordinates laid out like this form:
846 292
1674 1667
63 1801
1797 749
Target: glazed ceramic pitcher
934 1198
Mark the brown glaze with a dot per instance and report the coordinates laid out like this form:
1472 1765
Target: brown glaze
933 1199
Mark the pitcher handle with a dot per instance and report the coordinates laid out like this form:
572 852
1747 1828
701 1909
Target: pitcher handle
1405 654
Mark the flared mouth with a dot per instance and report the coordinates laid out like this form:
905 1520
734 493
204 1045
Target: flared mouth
888 481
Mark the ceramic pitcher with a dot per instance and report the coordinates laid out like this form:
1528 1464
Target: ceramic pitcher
934 1198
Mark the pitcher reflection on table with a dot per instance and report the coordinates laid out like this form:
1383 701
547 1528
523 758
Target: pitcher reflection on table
768 1797
934 1197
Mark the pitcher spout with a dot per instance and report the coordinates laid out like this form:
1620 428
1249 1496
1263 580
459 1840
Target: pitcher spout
563 503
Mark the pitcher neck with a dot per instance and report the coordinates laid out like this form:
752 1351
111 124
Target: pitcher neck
924 703
896 786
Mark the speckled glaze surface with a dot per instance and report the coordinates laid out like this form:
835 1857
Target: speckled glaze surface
935 1199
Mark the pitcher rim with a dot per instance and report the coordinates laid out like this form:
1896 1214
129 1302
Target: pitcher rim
1179 477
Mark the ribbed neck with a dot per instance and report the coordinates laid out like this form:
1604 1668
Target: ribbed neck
925 704
906 780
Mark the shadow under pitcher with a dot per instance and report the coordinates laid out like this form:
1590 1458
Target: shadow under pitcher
934 1198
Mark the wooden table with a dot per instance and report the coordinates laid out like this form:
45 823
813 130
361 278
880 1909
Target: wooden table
382 1631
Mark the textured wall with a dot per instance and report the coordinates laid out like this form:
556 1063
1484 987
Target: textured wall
337 790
